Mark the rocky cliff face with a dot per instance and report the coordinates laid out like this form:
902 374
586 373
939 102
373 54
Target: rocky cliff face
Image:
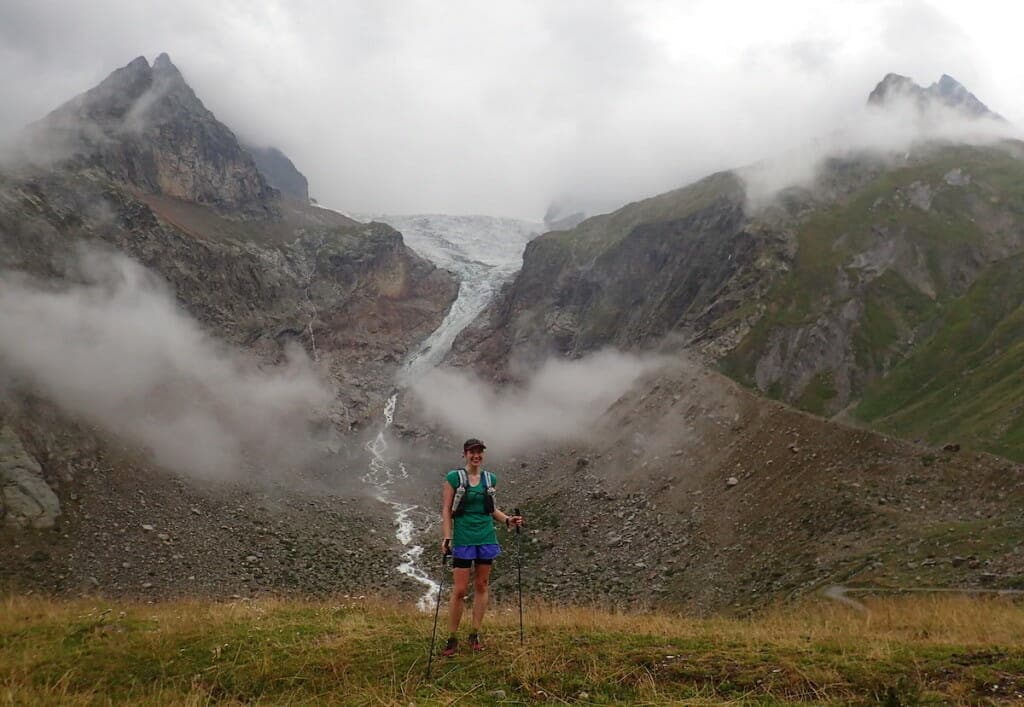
688 265
144 126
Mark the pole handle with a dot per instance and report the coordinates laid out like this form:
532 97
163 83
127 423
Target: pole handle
515 511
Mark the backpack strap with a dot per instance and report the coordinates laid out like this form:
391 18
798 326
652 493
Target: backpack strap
488 481
460 492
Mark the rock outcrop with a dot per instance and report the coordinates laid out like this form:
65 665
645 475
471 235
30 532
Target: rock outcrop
25 498
145 127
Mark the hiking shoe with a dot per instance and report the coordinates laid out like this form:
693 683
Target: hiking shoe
474 642
451 648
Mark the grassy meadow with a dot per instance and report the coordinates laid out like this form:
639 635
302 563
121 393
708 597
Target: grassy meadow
922 650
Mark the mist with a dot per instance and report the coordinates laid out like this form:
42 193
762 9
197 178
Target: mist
502 108
885 133
559 403
116 350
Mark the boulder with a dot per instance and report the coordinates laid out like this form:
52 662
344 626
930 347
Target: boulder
26 500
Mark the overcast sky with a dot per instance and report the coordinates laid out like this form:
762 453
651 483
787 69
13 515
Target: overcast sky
464 106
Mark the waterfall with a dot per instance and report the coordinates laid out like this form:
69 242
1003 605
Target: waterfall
483 253
381 475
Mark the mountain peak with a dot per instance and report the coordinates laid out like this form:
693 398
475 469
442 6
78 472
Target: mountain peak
139 63
955 94
146 127
165 70
947 92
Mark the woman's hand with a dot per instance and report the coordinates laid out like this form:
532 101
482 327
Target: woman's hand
514 521
446 546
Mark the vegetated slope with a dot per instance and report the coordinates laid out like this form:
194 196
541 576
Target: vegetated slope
697 492
875 276
811 297
965 382
811 300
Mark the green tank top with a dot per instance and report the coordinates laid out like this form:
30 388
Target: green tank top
474 526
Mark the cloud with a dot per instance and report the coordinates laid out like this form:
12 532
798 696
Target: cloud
393 107
117 351
886 134
559 403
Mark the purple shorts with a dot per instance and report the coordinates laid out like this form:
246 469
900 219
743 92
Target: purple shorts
476 552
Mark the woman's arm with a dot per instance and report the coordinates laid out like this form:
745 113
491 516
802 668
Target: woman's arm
502 517
447 497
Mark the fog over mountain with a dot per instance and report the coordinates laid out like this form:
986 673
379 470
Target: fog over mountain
119 351
400 108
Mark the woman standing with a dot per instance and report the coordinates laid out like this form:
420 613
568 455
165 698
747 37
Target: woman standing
468 513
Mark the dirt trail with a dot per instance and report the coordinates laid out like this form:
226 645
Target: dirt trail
839 593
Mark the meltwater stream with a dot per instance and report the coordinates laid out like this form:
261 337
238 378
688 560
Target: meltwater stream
483 253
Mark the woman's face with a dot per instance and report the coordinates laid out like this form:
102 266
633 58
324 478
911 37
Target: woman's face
475 456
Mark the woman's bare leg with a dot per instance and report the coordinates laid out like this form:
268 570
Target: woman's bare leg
481 576
459 588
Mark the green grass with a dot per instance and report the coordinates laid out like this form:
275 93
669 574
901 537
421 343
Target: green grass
937 650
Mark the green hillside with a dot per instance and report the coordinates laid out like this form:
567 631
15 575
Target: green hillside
888 267
966 383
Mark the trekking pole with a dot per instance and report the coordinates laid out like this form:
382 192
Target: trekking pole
519 573
437 610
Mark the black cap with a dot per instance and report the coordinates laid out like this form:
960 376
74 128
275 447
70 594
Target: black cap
471 443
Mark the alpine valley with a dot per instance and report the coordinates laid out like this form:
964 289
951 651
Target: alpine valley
837 401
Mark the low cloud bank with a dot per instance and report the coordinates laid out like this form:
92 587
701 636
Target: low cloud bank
119 352
559 403
888 132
